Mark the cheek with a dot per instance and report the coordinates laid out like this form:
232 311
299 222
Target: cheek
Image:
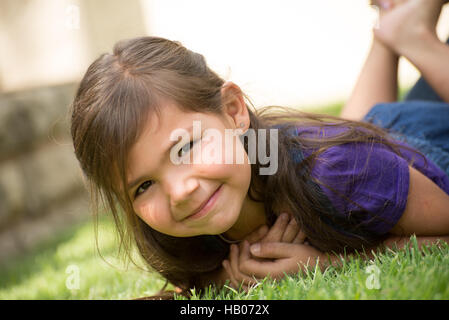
237 173
212 150
244 175
241 165
152 214
222 149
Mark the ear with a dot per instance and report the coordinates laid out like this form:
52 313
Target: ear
234 107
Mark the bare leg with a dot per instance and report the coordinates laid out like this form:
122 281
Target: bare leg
423 91
376 82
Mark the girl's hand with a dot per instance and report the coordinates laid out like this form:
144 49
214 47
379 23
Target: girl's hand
285 230
278 259
288 258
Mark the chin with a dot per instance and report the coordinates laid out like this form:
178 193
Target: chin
229 222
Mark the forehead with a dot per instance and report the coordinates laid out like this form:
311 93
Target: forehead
154 138
157 126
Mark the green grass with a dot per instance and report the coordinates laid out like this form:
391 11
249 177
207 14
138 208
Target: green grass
46 272
334 109
402 274
43 274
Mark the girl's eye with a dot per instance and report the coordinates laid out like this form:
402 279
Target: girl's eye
186 148
143 187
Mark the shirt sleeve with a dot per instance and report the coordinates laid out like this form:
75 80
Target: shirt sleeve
370 175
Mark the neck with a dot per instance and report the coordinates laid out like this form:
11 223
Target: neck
252 216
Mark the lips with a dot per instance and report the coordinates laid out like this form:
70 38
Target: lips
204 203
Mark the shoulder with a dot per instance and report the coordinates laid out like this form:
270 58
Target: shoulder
364 177
350 159
358 158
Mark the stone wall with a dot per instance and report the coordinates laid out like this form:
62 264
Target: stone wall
45 48
41 187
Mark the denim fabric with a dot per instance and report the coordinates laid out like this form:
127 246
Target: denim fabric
423 125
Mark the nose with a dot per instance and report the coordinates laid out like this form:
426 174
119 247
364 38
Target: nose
181 189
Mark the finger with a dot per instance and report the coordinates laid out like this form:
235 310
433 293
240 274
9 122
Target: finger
291 231
277 230
262 268
257 235
233 283
263 230
300 238
272 250
234 257
244 256
253 235
279 251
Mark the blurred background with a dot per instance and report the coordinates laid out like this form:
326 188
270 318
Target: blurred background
304 54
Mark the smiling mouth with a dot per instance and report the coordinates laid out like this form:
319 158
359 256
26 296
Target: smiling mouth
205 206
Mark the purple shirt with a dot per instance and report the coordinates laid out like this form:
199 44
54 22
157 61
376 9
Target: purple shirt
371 175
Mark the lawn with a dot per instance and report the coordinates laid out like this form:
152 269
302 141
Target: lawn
69 267
48 273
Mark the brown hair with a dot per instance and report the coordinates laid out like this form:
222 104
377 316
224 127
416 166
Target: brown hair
121 89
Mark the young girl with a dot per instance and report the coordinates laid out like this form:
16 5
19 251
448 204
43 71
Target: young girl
344 183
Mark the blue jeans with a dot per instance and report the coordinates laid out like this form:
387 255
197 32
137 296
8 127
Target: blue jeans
421 120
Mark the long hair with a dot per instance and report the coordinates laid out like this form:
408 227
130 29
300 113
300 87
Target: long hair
118 93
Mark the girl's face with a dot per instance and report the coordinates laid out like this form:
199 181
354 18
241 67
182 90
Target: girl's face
166 194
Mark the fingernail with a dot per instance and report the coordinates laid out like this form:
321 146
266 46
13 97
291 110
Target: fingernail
284 216
255 248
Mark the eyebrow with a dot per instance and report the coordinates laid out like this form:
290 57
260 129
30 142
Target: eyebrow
135 182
